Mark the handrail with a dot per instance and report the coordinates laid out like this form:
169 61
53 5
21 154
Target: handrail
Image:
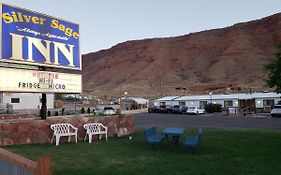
41 167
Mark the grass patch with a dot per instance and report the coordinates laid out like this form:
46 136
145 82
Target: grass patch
221 152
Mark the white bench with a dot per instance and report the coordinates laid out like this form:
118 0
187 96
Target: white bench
63 129
95 129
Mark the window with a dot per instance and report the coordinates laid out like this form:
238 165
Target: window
269 102
162 103
182 103
228 104
203 104
15 100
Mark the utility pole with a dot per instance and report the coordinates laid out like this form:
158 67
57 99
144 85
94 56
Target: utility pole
93 94
149 89
120 96
161 86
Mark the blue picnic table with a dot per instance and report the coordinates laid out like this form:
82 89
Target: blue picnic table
173 135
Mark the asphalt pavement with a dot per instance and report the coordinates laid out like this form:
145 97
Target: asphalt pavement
207 121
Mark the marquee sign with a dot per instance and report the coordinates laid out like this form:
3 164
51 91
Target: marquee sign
32 38
39 81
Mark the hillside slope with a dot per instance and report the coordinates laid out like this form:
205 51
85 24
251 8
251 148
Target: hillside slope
231 56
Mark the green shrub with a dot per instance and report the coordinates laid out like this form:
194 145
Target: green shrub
210 108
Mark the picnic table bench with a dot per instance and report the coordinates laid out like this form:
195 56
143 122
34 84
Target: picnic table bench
151 136
193 141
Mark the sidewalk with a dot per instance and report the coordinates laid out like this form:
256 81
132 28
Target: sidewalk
134 111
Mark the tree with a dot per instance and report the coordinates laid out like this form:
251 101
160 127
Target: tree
58 96
274 68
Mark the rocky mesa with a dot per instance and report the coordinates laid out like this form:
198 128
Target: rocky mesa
195 63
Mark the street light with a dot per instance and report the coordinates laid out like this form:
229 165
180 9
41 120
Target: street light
211 97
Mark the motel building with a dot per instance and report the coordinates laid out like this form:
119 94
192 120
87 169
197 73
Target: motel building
25 100
253 101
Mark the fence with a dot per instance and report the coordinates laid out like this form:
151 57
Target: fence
13 164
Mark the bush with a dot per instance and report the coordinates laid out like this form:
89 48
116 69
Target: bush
62 111
210 108
82 110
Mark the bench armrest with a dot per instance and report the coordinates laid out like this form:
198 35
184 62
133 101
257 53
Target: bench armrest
105 127
76 129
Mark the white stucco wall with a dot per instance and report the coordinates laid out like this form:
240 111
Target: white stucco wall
235 103
27 100
276 100
192 103
259 103
219 102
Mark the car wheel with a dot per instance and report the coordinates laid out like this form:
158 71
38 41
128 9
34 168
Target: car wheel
275 115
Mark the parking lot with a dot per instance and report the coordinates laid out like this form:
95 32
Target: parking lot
209 121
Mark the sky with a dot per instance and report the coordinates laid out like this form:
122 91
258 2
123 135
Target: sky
105 23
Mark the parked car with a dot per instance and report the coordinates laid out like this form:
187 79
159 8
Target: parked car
179 109
165 109
276 111
195 110
153 109
108 110
98 111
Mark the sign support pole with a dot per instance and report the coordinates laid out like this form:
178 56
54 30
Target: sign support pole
43 111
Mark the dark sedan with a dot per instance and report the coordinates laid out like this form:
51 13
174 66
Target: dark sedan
154 109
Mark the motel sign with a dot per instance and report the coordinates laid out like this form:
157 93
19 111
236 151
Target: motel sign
33 38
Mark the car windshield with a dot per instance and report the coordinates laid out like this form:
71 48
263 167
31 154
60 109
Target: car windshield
191 107
277 107
108 108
